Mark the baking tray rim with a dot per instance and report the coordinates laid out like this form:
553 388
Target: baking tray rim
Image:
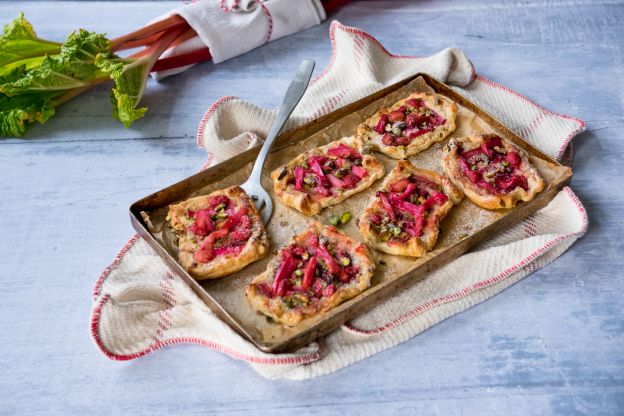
288 138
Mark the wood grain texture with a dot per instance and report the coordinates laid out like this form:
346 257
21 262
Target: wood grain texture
551 344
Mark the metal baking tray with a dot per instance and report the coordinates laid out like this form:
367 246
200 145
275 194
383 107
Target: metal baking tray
466 225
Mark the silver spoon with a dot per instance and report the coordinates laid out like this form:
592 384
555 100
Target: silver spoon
295 91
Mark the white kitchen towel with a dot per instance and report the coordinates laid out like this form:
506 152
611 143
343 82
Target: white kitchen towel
232 27
141 306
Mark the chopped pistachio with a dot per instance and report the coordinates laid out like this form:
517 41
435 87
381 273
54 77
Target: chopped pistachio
483 159
505 163
309 179
501 150
345 217
221 215
396 131
345 261
340 173
474 167
298 272
334 220
299 299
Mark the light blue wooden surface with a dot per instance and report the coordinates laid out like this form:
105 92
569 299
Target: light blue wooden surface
552 344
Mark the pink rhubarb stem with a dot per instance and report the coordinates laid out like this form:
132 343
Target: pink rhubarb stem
169 23
154 51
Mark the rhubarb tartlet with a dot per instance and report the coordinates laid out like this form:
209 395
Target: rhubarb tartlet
326 175
218 234
404 216
319 269
491 171
411 125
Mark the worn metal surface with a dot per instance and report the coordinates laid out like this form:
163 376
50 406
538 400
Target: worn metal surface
552 344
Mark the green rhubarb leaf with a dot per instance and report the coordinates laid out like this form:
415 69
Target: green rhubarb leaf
125 107
13 71
19 41
130 76
80 51
17 112
73 67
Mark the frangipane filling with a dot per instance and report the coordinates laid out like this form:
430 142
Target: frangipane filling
492 167
310 270
222 228
401 126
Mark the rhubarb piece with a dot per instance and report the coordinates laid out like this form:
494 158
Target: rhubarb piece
344 151
326 175
491 171
408 191
203 224
205 253
397 115
218 234
514 159
404 216
308 274
287 266
399 186
359 171
380 126
299 173
316 271
411 125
